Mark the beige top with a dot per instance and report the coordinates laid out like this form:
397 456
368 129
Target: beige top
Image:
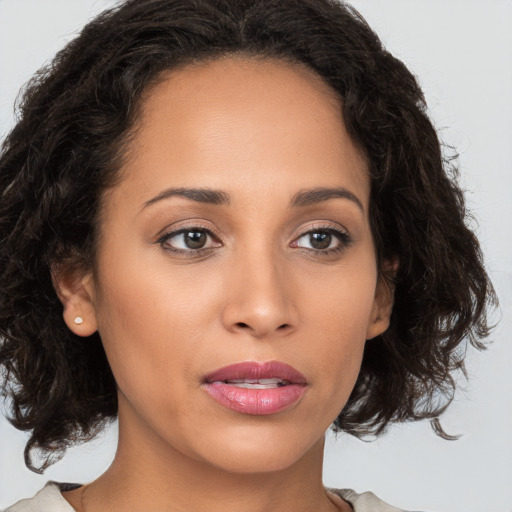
50 499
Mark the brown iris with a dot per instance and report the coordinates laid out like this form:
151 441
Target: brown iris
321 240
195 239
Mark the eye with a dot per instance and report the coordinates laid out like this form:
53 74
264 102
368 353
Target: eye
189 240
325 240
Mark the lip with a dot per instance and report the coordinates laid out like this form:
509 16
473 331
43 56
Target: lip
256 401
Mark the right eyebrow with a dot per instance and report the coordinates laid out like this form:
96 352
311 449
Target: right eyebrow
201 195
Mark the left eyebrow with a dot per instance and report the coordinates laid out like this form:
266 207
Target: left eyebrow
317 195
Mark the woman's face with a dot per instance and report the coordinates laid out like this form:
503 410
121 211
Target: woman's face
238 233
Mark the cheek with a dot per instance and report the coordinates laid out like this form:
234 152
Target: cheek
152 321
338 321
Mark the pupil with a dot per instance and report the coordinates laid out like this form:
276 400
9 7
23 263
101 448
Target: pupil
320 240
195 239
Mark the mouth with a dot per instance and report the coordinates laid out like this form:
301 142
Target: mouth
256 388
258 384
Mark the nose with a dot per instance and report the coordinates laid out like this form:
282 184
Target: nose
260 299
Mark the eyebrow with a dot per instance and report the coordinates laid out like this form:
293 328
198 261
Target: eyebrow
218 197
317 195
201 195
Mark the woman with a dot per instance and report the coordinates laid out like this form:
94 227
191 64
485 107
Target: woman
241 214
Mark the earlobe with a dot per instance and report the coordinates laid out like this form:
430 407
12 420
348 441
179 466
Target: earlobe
76 293
383 301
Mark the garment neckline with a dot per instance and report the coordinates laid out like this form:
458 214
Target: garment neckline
55 490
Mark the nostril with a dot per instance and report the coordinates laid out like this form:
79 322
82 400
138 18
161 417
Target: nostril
243 325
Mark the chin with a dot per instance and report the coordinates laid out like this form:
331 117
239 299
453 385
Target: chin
247 464
249 452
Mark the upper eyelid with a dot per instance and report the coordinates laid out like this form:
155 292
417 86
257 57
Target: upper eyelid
166 236
325 227
168 233
341 234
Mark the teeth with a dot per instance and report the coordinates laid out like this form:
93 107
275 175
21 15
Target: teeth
248 385
254 381
257 383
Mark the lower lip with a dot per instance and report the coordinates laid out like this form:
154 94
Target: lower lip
255 401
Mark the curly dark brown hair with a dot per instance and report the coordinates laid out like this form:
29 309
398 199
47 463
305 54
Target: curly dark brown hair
67 148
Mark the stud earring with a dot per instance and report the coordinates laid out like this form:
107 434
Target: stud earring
79 320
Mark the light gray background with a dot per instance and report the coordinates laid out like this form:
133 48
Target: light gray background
461 51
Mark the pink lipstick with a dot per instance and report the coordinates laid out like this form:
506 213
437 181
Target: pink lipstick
256 388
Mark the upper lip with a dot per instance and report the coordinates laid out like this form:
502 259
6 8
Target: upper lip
255 370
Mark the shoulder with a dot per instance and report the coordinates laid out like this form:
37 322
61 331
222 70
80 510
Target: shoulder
48 499
365 502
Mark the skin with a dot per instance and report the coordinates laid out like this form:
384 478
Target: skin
261 131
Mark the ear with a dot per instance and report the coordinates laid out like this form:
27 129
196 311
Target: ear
76 292
383 300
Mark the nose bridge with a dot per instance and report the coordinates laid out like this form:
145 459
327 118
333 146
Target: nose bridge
260 297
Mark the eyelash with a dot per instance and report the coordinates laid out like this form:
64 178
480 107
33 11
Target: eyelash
344 239
188 253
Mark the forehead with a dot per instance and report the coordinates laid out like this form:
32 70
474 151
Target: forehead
233 80
243 121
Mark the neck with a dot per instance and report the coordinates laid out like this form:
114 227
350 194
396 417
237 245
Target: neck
149 474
